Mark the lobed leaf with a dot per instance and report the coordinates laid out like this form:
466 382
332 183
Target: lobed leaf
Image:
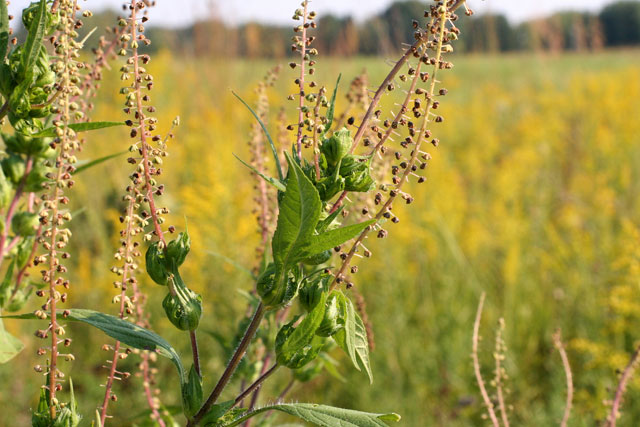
325 416
353 339
77 127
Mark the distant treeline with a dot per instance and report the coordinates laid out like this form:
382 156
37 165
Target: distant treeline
617 24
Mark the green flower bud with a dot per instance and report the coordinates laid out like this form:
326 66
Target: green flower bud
333 320
319 258
277 292
13 168
183 309
192 393
156 264
177 250
25 223
336 147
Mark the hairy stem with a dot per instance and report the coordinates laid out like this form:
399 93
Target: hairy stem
256 384
194 350
231 366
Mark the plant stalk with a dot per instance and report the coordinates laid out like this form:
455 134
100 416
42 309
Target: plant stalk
231 366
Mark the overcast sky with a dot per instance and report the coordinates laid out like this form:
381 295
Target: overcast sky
182 12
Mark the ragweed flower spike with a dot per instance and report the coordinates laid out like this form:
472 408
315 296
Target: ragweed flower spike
410 126
57 100
141 213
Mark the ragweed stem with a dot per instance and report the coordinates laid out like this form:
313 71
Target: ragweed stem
231 366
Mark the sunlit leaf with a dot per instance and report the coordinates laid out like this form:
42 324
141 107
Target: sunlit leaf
77 127
325 416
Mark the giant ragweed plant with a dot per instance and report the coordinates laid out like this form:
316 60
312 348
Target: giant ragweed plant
334 184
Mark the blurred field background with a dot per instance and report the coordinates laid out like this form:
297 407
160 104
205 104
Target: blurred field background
533 196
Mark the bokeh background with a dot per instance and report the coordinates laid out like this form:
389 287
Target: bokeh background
532 197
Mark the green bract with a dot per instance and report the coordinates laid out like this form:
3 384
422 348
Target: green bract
156 264
177 250
192 393
184 308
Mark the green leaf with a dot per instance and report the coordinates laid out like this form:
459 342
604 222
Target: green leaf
297 219
126 332
332 108
9 345
353 339
325 416
4 30
34 38
216 412
332 238
292 351
77 127
266 132
92 163
275 182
